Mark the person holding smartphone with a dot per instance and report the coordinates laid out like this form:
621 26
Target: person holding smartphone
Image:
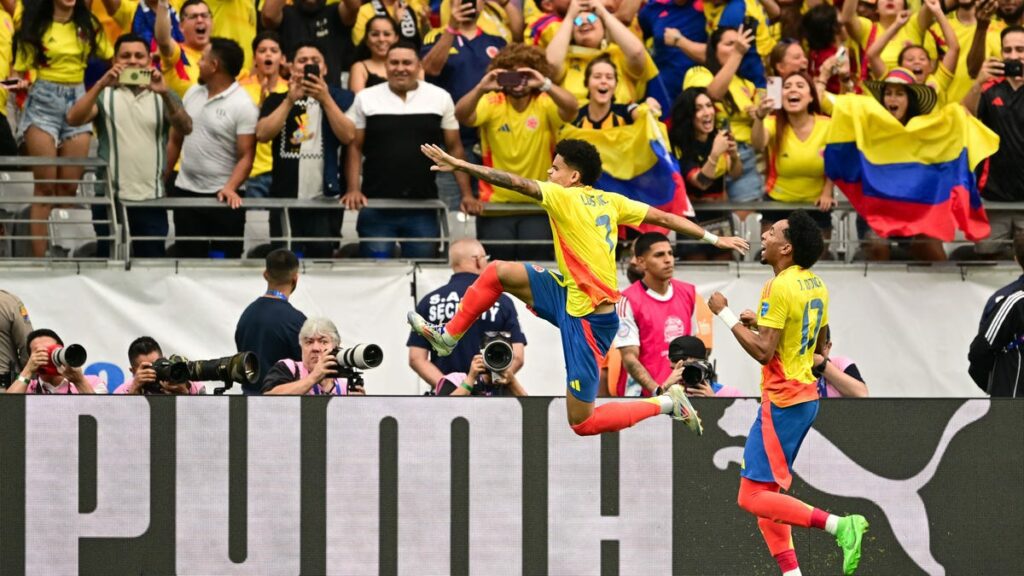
134 110
707 154
795 137
997 99
308 127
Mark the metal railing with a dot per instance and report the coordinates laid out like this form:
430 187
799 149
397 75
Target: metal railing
844 242
287 206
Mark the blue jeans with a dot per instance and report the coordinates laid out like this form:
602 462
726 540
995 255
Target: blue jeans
398 224
46 107
748 187
258 186
448 188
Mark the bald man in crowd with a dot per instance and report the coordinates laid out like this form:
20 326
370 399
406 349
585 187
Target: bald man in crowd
467 259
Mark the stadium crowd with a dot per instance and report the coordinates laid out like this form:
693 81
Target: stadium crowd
331 99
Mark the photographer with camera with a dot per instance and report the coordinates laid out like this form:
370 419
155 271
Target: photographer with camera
53 368
145 357
325 369
691 368
490 372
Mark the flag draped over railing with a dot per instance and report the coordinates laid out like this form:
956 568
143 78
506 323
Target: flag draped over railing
913 179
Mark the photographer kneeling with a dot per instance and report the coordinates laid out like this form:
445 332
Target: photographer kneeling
691 368
490 373
143 353
320 367
53 368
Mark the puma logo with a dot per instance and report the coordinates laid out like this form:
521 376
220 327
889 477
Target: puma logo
899 500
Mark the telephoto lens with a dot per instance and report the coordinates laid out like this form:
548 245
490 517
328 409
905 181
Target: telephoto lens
497 355
73 356
360 356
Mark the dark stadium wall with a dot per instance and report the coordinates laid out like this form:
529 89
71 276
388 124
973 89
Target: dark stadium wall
488 486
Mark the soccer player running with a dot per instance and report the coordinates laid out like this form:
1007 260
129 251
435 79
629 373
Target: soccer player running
783 336
581 299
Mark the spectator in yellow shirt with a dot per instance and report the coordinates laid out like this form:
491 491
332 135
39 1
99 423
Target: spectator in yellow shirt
518 110
590 31
8 146
411 17
265 80
55 41
915 58
795 137
180 62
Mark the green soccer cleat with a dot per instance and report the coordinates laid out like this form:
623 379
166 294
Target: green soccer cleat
683 410
442 342
849 533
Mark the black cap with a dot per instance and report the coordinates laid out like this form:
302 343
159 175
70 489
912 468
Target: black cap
687 347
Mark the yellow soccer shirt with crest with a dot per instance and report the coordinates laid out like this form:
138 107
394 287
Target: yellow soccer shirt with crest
518 142
584 224
795 302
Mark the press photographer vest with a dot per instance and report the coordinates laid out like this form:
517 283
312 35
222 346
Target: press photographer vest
660 322
299 370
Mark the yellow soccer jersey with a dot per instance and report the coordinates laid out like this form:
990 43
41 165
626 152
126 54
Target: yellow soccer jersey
584 224
795 302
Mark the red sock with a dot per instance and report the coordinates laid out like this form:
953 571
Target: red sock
615 416
762 499
778 537
818 518
479 298
787 561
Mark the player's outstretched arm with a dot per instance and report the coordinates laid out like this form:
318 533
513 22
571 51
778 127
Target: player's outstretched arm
444 162
683 226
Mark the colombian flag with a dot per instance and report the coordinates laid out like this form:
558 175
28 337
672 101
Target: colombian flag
913 179
637 163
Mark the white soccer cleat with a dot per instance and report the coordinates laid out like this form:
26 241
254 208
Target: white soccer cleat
442 342
682 409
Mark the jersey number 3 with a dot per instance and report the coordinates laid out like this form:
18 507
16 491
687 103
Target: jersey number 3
807 339
605 221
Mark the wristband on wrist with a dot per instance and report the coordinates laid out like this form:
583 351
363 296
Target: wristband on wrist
464 386
729 317
23 380
818 370
709 238
546 86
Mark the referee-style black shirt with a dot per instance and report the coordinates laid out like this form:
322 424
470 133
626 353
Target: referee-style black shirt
1001 108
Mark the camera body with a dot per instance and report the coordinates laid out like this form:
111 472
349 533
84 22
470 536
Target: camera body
697 371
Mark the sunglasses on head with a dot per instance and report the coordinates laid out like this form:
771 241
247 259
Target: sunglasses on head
589 18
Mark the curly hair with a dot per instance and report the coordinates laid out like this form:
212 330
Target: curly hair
582 157
805 236
515 56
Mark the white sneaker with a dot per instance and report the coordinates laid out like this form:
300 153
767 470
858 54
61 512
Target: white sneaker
682 409
441 341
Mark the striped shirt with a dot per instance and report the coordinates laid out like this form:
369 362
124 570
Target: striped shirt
132 130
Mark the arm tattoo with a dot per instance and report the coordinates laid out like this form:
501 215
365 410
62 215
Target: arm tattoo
504 179
639 372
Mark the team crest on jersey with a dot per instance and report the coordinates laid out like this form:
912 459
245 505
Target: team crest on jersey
532 122
491 51
764 309
539 269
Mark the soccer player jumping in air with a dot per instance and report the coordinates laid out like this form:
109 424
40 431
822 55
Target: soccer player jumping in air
580 300
783 336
